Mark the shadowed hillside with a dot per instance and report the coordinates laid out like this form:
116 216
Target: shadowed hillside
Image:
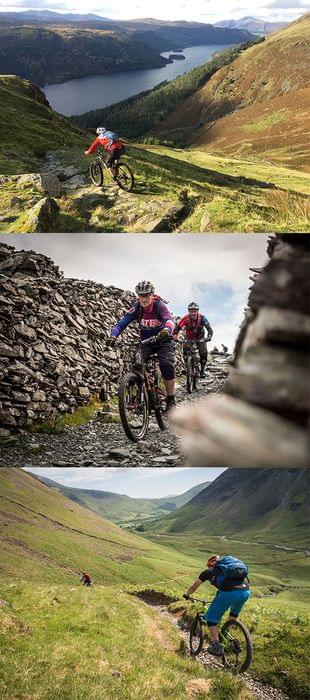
264 504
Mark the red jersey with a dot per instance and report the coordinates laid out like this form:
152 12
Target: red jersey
105 142
194 327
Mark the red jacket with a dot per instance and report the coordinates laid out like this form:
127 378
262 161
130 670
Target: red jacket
105 143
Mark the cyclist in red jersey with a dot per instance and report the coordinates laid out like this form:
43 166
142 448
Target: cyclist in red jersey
111 143
86 579
194 325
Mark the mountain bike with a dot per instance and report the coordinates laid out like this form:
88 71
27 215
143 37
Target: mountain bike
234 638
123 174
192 365
141 392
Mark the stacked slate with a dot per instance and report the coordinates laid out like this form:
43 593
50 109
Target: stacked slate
53 356
262 418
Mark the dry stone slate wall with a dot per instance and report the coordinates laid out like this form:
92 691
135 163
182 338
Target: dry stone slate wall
53 356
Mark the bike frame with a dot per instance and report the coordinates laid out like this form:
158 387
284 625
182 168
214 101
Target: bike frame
225 640
149 368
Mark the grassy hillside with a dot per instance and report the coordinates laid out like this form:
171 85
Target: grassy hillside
47 537
29 127
59 639
265 505
255 106
122 509
209 193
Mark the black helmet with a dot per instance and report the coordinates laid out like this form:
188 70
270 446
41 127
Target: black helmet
144 287
193 306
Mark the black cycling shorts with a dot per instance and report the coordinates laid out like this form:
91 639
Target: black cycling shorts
165 352
115 155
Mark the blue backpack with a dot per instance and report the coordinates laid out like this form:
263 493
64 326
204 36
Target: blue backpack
229 567
113 138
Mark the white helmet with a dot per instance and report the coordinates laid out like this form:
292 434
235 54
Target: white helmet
144 287
100 130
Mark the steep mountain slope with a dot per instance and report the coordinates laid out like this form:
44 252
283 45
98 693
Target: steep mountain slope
121 508
268 504
45 536
29 127
256 106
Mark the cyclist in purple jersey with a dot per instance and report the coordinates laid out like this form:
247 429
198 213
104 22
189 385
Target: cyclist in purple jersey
154 318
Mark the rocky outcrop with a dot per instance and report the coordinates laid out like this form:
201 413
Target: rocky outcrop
262 418
53 356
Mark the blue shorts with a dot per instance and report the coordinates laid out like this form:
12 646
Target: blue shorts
223 600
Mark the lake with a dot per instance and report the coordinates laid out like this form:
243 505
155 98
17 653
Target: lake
95 91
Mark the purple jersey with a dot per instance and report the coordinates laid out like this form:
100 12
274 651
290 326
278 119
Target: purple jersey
153 319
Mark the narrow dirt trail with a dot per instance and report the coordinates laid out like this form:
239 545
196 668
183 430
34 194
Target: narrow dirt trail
101 444
260 690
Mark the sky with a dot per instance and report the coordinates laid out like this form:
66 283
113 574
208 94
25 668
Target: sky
134 482
210 269
209 11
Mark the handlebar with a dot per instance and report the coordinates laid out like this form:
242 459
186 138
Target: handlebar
198 600
154 339
147 341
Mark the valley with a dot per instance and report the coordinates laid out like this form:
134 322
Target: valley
68 638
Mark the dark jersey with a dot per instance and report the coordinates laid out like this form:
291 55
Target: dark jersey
229 584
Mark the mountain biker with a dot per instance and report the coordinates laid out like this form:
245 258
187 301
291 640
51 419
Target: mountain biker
194 324
154 318
230 576
86 579
224 349
111 143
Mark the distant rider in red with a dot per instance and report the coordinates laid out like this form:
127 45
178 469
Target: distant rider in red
86 579
194 325
111 143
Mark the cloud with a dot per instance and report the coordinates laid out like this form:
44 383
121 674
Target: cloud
141 482
287 4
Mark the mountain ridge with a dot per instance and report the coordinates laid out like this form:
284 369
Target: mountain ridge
255 501
121 507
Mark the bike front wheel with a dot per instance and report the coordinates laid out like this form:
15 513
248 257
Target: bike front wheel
237 646
133 406
160 403
124 177
195 374
196 636
96 173
189 374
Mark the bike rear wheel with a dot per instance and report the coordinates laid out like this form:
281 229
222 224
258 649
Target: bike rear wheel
96 173
189 374
124 177
237 646
196 636
160 403
133 406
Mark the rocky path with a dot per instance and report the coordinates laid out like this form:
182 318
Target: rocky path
101 444
260 690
